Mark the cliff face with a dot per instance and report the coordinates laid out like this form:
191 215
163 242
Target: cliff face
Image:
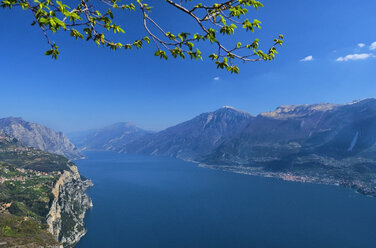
38 136
66 216
42 197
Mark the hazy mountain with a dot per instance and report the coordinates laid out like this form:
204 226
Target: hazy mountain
112 137
193 138
38 136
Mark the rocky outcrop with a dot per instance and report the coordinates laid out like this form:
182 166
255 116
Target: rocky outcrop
66 216
38 136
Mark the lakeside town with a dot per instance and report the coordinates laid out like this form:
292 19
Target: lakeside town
365 188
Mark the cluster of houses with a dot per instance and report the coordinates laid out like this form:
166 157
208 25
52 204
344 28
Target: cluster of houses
27 173
4 207
16 178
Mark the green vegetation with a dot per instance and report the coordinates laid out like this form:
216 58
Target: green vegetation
16 230
212 23
29 192
12 152
27 177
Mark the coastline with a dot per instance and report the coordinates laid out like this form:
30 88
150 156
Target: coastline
356 185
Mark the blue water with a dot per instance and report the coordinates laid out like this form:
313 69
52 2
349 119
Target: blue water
142 202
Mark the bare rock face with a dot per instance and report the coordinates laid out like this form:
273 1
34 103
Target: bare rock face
38 136
296 111
66 216
59 180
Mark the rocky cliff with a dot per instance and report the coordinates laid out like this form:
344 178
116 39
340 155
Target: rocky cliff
42 197
66 216
38 136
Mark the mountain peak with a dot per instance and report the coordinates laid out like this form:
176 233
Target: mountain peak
13 119
112 137
121 124
230 109
38 136
194 137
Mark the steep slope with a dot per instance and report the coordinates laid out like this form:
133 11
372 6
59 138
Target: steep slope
38 136
112 137
42 197
193 138
324 141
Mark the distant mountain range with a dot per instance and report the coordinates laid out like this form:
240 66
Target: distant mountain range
230 136
112 137
193 138
325 143
38 136
292 134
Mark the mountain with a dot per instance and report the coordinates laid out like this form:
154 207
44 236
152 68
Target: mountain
322 142
192 138
38 136
112 137
43 200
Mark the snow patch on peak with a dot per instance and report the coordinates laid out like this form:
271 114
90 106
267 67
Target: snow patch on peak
229 107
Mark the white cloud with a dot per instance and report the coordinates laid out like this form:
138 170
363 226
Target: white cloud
361 45
308 58
356 56
216 78
373 46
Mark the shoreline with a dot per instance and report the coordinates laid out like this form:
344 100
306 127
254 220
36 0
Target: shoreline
291 177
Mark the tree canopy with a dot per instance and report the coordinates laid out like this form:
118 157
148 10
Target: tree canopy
94 20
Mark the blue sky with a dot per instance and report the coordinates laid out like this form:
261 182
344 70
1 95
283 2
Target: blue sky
89 87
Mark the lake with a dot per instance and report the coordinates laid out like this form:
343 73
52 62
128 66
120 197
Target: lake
142 201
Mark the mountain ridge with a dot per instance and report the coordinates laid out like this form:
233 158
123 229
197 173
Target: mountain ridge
110 137
39 136
329 144
188 139
323 143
